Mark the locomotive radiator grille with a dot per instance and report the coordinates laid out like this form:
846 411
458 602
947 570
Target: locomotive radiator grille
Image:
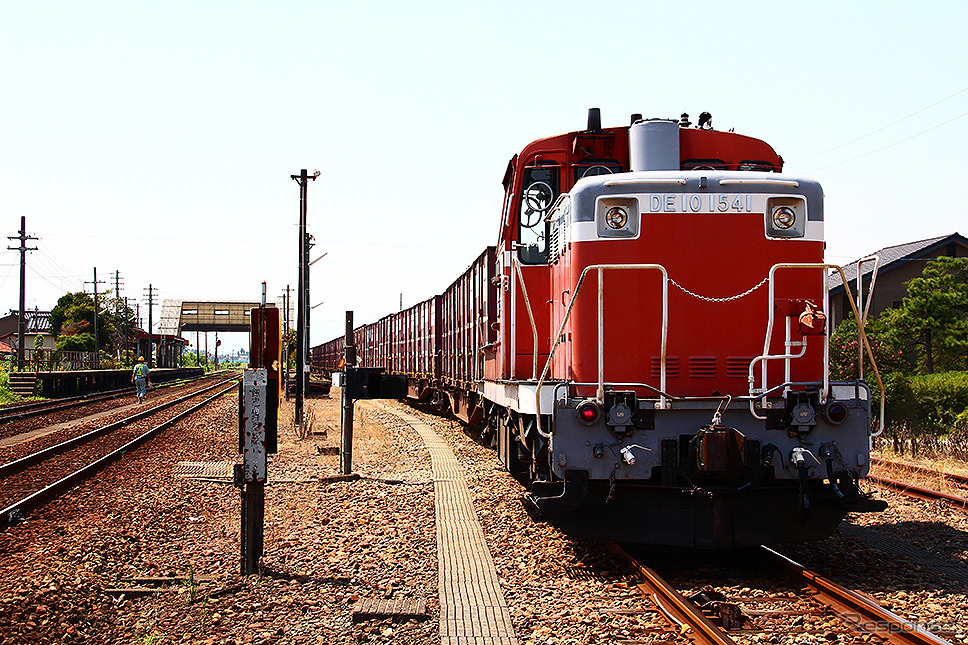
672 366
702 367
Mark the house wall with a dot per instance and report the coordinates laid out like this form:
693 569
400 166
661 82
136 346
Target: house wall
889 290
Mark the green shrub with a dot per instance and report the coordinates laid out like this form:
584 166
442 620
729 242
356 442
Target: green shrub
76 343
940 399
6 396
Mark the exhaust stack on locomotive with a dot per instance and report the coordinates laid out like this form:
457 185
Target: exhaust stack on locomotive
646 345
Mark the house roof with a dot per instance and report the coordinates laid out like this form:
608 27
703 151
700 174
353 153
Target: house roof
891 257
38 322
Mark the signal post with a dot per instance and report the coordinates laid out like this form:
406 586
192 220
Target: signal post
258 423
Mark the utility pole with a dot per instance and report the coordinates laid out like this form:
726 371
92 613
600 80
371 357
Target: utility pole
117 303
117 285
302 295
151 300
22 321
127 327
97 340
286 299
346 436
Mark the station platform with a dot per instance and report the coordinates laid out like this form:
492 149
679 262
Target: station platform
473 610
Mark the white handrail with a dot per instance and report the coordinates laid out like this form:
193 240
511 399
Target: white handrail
860 331
534 329
861 306
601 315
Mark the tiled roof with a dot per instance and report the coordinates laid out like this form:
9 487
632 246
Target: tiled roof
888 255
38 322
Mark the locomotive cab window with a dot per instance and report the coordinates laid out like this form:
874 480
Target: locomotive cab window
591 168
538 194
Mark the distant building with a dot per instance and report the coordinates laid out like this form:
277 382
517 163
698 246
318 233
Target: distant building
898 265
38 324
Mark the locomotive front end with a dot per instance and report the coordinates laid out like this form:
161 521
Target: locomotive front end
692 404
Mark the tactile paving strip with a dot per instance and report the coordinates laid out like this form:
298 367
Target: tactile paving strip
205 469
472 606
953 570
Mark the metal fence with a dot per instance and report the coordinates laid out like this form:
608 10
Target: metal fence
51 360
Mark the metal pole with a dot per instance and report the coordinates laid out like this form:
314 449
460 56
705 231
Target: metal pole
306 357
127 329
22 320
286 300
302 317
150 310
97 341
349 358
301 300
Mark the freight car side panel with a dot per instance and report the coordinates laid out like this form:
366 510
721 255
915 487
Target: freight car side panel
467 316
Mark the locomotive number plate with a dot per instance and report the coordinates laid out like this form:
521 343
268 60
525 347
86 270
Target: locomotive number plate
706 203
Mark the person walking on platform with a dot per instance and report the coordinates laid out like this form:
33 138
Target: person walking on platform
141 379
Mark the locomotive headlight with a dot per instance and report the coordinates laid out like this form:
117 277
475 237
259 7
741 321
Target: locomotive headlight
835 413
784 217
616 217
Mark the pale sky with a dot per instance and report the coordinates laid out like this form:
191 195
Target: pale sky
158 139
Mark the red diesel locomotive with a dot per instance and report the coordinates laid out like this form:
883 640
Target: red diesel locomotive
646 345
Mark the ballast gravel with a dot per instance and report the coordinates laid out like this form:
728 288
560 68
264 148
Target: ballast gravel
333 543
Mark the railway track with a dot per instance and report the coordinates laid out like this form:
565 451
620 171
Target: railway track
711 618
24 483
922 492
29 409
956 478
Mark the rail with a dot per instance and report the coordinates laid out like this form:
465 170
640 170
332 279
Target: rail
674 606
13 467
858 609
920 469
861 613
13 513
920 492
30 409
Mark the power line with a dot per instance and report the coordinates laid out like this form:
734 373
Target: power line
896 143
893 123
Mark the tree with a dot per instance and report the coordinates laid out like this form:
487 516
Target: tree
933 319
73 315
122 322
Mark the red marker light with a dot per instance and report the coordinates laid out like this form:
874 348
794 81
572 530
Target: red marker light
588 412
